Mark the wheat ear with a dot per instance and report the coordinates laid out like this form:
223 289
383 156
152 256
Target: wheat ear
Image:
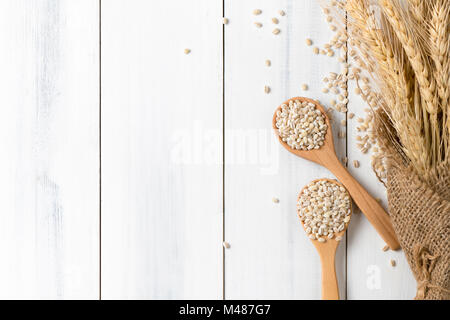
415 56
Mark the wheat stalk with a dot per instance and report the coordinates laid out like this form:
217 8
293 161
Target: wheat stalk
414 53
405 49
395 85
427 84
439 51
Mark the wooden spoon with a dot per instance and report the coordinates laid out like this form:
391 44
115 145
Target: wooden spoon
326 156
327 253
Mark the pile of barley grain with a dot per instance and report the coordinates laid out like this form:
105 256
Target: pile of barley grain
324 208
301 125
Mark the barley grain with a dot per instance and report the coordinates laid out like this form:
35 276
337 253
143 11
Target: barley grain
301 125
324 208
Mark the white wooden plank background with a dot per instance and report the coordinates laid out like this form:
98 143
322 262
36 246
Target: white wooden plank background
161 149
167 121
49 190
270 256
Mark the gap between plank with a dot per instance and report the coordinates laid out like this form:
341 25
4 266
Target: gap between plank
223 151
100 144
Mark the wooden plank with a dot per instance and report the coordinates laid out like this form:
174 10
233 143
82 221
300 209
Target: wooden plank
49 188
161 149
370 275
270 256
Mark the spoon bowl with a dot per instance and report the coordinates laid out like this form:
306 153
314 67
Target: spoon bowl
327 252
314 155
326 157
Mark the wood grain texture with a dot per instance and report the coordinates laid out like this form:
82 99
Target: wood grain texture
49 144
161 149
369 273
270 255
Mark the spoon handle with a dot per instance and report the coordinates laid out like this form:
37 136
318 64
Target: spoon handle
330 289
374 212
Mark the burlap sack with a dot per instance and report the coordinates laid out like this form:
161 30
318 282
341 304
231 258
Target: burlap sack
420 213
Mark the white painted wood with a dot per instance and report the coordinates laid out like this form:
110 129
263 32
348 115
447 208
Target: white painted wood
161 149
49 146
270 256
369 273
162 134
